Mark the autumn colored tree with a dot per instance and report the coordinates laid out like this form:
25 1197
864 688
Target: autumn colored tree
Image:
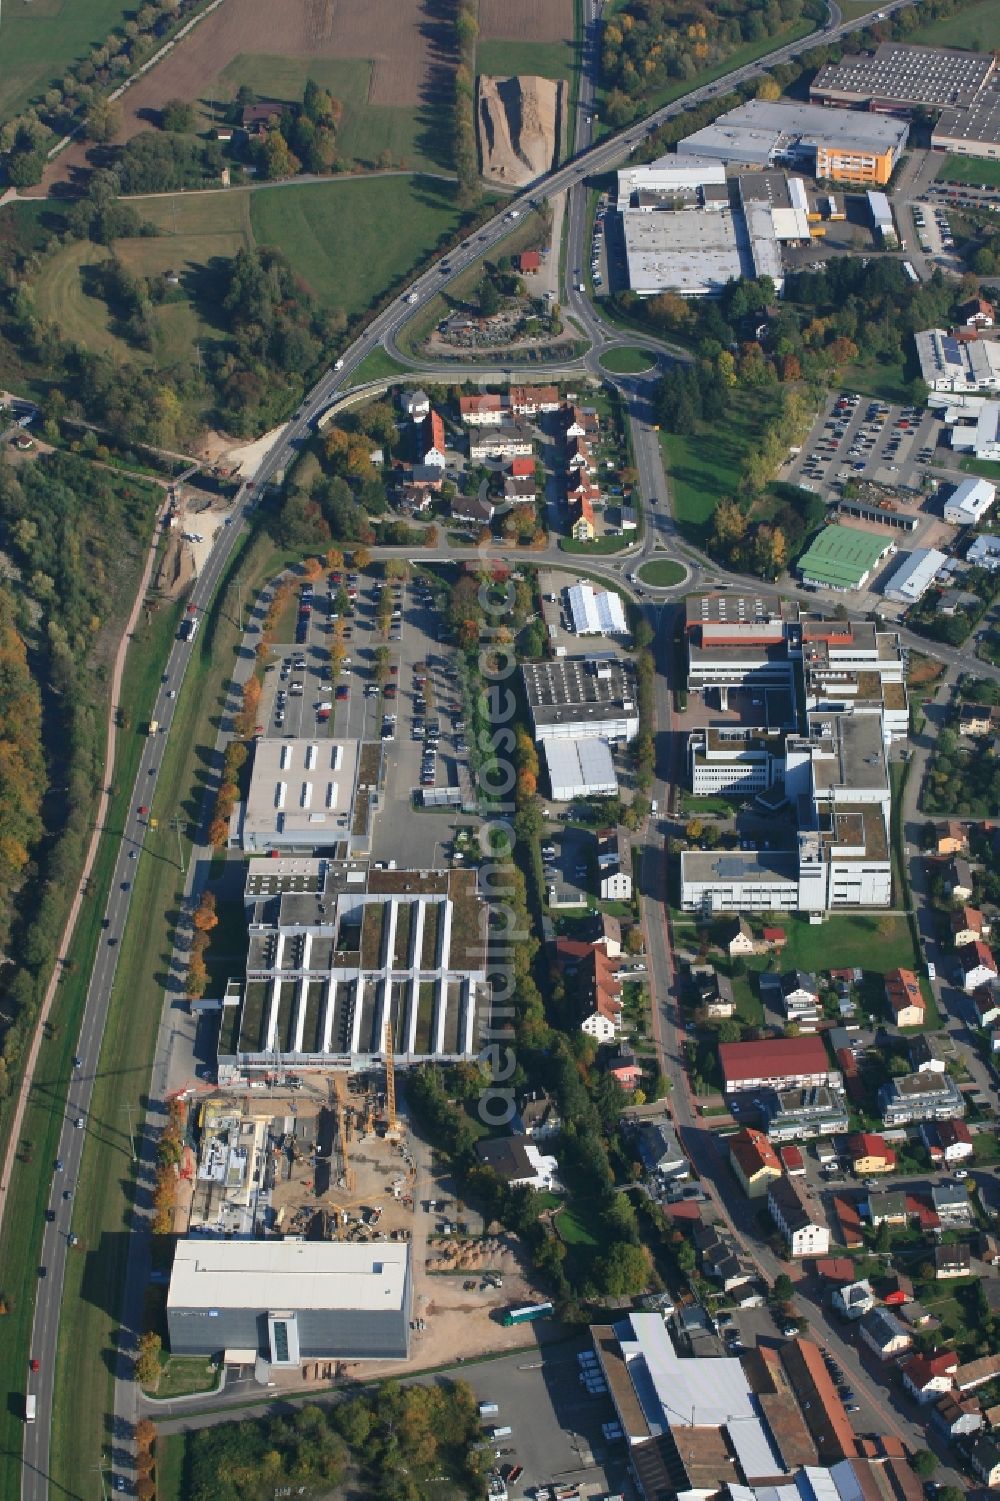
145 1433
218 832
205 917
360 558
334 558
527 786
312 568
147 1364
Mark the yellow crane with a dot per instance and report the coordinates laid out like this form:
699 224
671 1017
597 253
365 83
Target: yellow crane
343 1131
390 1082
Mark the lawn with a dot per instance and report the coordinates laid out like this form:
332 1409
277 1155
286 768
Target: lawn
40 40
703 466
600 547
662 573
571 1229
887 380
60 299
627 361
170 1466
182 1376
983 467
335 234
503 57
379 365
94 1281
848 939
977 28
366 130
969 169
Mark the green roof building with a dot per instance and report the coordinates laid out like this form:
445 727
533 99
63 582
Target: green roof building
843 558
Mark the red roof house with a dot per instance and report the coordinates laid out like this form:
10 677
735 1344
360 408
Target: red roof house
780 1062
523 468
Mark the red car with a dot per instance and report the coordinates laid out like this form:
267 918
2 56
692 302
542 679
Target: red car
143 810
36 1365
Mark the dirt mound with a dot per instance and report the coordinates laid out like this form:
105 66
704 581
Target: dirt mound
519 120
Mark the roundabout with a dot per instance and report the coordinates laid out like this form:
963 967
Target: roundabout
627 359
661 573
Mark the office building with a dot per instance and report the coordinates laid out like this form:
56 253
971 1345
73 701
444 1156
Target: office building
839 145
971 499
920 1097
916 573
902 77
337 953
579 768
641 186
301 795
285 1301
957 365
732 759
581 698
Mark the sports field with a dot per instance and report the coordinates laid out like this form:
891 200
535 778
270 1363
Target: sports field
39 40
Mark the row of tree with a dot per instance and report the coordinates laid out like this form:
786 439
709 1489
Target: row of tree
465 148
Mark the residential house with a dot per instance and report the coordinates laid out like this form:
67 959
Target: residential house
486 410
712 991
854 1300
958 879
414 500
927 1054
800 996
988 1248
792 1161
519 491
955 1141
884 1334
519 1163
916 1316
952 1261
956 1417
928 1377
537 1116
983 1455
738 938
775 938
527 261
660 1150
579 489
976 1373
951 1204
625 1067
978 965
952 838
870 1154
531 401
903 998
257 118
977 313
521 468
606 930
415 404
475 509
600 990
778 1062
836 1269
895 1290
986 1005
978 720
431 444
887 1208
507 442
754 1161
805 1233
584 526
431 475
968 925
578 457
723 1263
614 881
848 1221
920 1097
581 422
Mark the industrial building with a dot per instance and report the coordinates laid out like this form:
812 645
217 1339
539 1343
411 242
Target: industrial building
693 252
901 77
579 698
285 1301
882 220
974 131
914 576
844 558
970 500
301 794
957 365
839 145
985 552
642 186
579 768
982 437
341 956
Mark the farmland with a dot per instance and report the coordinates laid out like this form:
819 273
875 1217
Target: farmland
40 40
390 58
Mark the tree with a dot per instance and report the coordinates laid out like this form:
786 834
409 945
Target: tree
924 1463
769 89
783 1288
177 115
104 119
883 1237
147 1365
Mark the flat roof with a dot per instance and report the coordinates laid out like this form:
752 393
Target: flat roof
301 791
580 763
979 125
736 866
906 74
841 556
760 131
288 1274
595 687
688 250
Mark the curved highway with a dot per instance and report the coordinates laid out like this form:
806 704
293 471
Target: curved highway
590 159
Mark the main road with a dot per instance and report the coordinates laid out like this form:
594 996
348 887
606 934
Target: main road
590 160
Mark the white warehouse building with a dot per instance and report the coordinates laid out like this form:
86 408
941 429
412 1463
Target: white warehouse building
580 768
912 579
970 502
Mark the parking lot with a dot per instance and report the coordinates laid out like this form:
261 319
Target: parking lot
864 441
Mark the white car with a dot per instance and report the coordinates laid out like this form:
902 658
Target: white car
961 1174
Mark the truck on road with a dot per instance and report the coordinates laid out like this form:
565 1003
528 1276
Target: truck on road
30 1407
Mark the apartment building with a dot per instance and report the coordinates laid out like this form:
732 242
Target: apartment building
920 1097
805 1234
800 1114
777 1063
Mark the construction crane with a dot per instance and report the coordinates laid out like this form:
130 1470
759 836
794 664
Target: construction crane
343 1132
390 1083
